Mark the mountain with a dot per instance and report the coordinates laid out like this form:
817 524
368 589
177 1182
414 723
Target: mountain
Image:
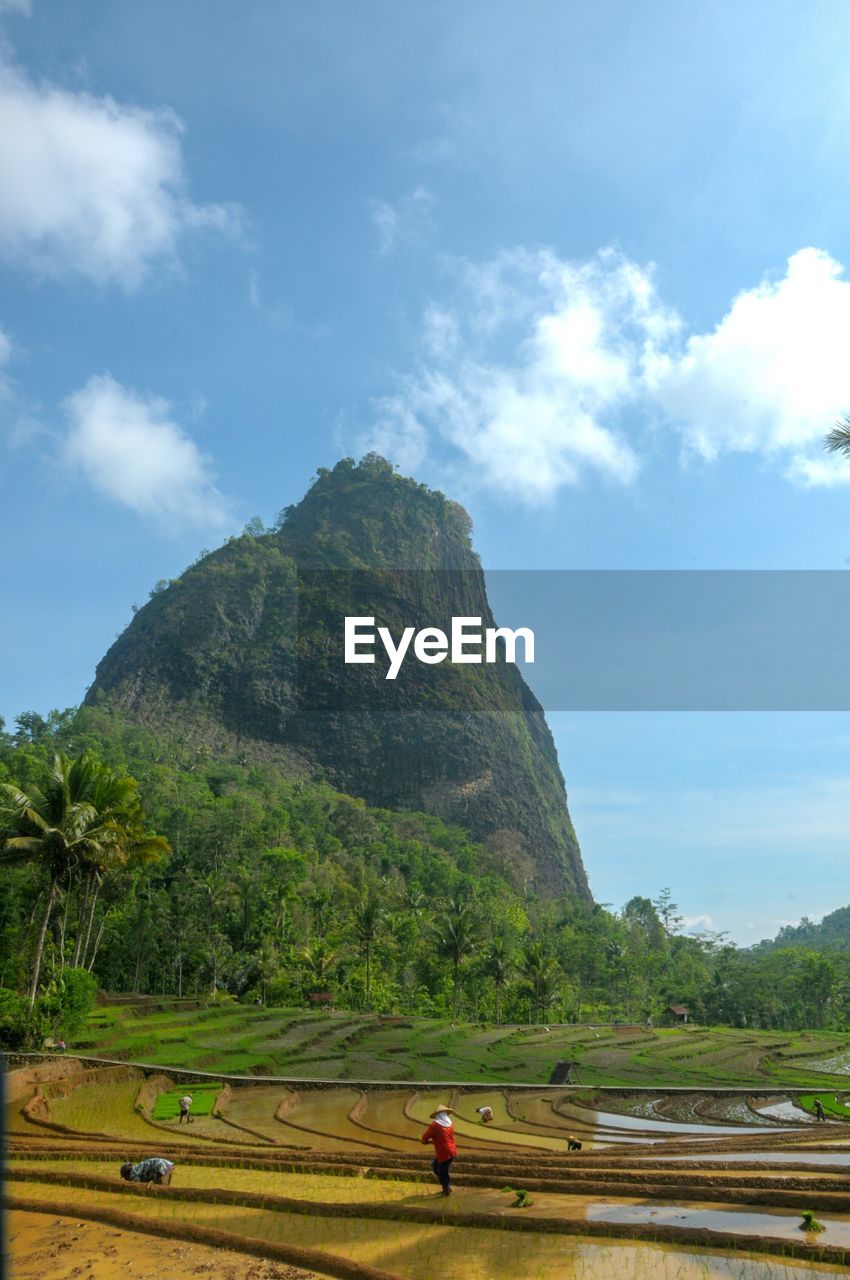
244 652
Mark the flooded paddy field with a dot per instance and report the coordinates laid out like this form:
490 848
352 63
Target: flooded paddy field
332 1179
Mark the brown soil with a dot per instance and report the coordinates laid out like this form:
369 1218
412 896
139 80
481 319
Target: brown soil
42 1245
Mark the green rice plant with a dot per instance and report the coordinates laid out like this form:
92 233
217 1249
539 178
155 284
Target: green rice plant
523 1199
832 1105
167 1105
810 1222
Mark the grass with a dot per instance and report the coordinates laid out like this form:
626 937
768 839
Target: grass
104 1108
167 1105
832 1105
303 1044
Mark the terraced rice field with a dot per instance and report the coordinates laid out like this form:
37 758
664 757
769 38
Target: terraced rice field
334 1181
300 1044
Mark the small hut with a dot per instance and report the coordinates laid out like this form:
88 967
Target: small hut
321 999
675 1015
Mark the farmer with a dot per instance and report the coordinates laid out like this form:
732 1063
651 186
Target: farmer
441 1132
155 1169
486 1114
185 1109
573 1144
820 1114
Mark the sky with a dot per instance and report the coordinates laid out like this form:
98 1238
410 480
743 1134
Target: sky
585 268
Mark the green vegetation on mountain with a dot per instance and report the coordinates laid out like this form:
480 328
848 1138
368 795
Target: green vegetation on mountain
832 933
243 653
279 887
403 847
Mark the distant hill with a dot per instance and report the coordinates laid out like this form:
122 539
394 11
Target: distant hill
832 933
244 652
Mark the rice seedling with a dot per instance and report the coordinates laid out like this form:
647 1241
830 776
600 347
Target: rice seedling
523 1199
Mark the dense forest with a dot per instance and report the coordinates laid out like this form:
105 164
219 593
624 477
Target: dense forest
198 876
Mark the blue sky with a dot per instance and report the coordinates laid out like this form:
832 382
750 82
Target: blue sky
583 268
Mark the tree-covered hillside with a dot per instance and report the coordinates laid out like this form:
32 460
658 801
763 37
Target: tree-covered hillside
278 887
831 933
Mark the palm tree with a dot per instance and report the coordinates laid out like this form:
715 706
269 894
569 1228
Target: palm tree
319 961
365 921
85 819
497 967
456 933
543 976
115 794
838 439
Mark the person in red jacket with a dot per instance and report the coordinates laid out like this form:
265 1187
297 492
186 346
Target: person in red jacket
441 1132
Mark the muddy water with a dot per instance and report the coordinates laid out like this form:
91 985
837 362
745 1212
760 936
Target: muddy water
538 1111
474 1137
384 1116
800 1156
320 1120
255 1107
409 1251
504 1126
613 1120
770 1224
786 1111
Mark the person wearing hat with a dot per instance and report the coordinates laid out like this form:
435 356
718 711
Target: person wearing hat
185 1109
441 1132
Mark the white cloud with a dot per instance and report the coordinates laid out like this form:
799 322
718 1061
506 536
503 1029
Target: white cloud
526 377
772 377
16 6
404 222
90 186
697 924
130 450
527 374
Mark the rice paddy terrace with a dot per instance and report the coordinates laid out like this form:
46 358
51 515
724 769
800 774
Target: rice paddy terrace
239 1039
292 1178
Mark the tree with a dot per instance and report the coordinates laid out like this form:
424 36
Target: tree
456 933
85 818
284 867
542 974
498 965
319 961
667 911
31 727
365 921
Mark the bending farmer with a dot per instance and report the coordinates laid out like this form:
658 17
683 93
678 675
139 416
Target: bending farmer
155 1169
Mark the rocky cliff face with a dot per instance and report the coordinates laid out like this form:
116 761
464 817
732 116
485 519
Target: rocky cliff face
245 652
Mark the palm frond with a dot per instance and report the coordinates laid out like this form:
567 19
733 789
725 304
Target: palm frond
838 439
